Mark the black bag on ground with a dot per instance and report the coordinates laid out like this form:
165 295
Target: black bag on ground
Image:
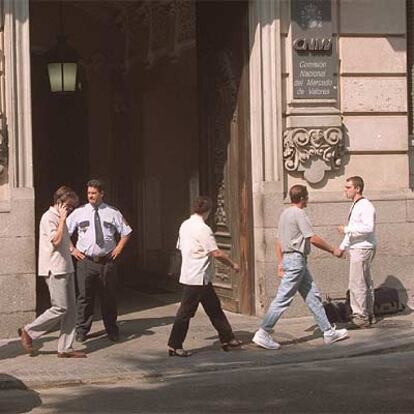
337 309
387 301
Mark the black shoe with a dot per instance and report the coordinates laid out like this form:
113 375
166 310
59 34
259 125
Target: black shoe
114 337
357 323
80 337
232 344
179 353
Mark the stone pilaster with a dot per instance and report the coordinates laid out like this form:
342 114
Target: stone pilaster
17 243
266 137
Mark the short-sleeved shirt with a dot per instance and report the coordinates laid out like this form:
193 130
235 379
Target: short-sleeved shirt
294 231
112 223
53 260
196 242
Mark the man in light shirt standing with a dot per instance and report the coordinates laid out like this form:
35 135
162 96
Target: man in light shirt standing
359 238
55 265
102 235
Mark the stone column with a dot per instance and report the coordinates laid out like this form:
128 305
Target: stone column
18 92
17 243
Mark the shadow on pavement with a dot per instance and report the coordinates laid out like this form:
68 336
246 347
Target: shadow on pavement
325 387
15 397
13 348
131 300
129 330
394 282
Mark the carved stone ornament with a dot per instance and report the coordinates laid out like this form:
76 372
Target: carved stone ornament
313 151
220 215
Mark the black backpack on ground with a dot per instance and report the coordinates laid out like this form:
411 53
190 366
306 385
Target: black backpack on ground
387 301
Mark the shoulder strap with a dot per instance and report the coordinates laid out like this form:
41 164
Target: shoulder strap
352 208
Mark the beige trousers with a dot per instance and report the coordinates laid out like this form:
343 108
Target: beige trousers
63 311
361 285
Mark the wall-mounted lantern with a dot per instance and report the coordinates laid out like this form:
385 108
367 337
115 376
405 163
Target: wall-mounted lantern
62 63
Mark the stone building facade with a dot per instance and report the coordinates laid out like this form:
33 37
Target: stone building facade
369 119
136 117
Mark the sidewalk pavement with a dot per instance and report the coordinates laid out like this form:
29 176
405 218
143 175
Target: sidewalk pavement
145 323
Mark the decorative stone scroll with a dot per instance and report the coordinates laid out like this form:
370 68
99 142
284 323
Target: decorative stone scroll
313 151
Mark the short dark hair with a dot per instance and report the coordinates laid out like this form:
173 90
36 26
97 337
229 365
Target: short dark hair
357 181
202 204
297 193
95 183
64 194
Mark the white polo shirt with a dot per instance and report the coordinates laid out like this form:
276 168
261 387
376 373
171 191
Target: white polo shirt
53 260
196 241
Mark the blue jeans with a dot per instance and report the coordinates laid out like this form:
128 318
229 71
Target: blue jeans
296 278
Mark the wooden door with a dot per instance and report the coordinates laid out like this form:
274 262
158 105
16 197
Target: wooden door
222 53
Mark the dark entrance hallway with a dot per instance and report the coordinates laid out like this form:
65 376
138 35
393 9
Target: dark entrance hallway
139 122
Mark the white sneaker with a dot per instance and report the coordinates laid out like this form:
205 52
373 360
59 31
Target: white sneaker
335 335
264 339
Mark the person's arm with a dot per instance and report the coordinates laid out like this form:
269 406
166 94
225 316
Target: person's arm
119 247
345 242
124 231
208 242
58 235
77 254
308 233
279 255
323 245
223 258
72 224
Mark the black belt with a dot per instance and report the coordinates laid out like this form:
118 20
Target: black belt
293 253
99 259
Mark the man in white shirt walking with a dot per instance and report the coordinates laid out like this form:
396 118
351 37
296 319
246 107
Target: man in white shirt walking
198 247
359 238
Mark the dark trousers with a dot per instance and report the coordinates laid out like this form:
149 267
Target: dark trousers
92 279
192 296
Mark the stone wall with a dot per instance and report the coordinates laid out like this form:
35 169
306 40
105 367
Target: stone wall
17 262
372 108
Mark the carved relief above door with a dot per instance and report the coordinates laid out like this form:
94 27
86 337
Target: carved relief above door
152 29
